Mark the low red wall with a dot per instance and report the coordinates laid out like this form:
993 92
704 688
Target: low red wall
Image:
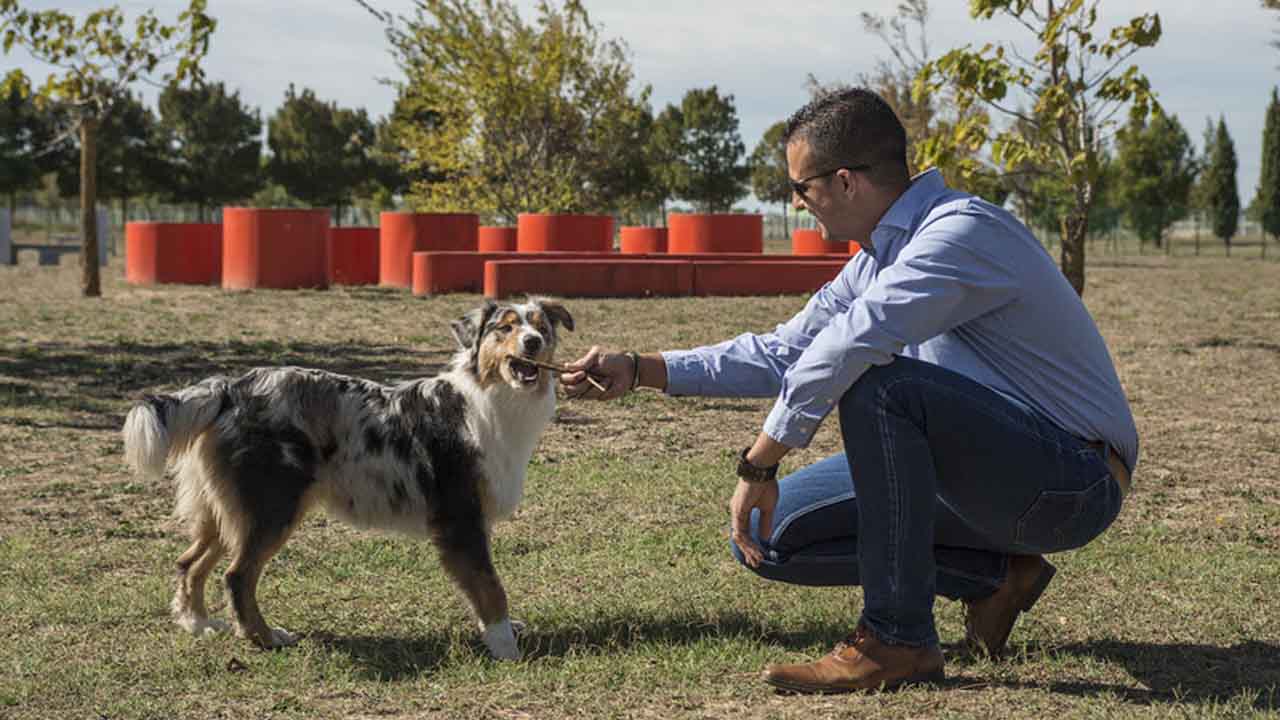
497 239
173 253
539 232
588 278
715 233
403 234
275 248
642 240
762 277
353 255
809 242
446 272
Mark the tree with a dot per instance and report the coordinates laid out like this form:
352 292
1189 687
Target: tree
1221 192
19 125
1267 200
214 144
768 165
712 176
664 155
525 116
1157 164
130 155
320 153
95 61
1074 86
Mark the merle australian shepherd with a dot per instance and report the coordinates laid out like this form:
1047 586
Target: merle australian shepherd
443 457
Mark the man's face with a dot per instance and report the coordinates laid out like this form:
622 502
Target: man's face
820 190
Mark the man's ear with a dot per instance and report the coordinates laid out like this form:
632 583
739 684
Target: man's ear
466 329
555 311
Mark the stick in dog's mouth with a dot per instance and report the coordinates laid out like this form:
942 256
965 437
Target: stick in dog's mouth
558 368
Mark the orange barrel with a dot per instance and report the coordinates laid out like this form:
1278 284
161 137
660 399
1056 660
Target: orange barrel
173 253
809 242
547 232
282 249
353 255
715 233
854 247
402 234
643 240
497 239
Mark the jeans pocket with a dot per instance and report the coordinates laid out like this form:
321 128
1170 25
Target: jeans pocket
1066 519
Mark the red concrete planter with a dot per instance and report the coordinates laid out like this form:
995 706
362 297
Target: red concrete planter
173 253
575 233
497 239
588 278
353 255
404 233
809 242
715 233
765 277
274 248
643 240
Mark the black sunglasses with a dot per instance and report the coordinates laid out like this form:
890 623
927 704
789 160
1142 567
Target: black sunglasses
801 187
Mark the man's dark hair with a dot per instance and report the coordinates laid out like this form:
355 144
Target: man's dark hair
852 126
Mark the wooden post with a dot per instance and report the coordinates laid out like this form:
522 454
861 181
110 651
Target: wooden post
90 280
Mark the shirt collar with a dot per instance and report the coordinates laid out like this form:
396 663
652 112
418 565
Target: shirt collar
905 212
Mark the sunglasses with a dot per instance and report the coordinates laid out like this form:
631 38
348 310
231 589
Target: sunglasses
801 187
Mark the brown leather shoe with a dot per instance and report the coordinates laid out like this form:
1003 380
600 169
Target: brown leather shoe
989 621
861 662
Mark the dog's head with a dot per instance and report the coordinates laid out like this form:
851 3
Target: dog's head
496 341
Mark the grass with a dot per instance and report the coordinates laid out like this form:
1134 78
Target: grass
616 559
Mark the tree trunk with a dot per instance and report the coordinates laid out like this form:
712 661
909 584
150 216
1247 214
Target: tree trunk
1197 234
90 281
1074 230
786 228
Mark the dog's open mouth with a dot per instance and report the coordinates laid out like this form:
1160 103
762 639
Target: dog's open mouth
525 372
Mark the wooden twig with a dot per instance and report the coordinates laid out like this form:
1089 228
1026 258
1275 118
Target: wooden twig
561 369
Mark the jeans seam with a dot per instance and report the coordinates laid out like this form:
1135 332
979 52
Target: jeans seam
891 478
791 517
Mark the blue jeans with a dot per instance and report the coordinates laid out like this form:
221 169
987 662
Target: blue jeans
948 479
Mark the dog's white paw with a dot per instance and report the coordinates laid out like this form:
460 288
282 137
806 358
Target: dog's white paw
202 626
283 638
500 638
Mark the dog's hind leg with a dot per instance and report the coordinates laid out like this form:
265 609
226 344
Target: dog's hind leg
242 578
194 567
465 555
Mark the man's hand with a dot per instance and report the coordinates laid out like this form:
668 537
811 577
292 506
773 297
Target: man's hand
746 497
613 370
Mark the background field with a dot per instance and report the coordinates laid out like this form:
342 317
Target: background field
617 559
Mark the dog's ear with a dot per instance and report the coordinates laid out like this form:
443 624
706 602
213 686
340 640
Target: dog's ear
555 311
466 329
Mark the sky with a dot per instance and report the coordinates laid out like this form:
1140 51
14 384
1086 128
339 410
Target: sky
1213 59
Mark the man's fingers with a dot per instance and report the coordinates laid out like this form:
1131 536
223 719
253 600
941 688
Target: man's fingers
586 361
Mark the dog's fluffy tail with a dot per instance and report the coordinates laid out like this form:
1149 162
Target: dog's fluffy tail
161 427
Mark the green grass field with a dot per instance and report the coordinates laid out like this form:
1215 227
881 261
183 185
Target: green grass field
617 558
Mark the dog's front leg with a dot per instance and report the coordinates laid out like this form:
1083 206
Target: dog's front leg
466 558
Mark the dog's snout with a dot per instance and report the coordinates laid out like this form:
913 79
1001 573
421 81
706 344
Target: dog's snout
531 343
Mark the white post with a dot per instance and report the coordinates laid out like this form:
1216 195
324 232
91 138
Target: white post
7 254
103 219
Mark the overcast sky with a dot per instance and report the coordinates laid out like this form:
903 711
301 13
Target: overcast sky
1213 59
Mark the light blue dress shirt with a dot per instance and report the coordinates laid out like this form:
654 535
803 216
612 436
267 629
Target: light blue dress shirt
949 279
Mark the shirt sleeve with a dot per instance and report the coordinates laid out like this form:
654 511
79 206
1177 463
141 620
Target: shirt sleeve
944 277
753 365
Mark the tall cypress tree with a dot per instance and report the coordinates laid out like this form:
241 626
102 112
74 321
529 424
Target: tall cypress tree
1222 194
1268 200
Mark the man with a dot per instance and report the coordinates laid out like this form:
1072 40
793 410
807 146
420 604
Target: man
982 419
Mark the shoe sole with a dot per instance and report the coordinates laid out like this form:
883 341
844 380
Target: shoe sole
931 677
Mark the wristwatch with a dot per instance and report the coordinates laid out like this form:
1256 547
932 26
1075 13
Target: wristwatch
754 473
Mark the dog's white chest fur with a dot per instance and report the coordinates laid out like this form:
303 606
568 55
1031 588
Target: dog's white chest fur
506 428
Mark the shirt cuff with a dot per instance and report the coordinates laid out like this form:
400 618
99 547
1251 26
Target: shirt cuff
685 370
790 427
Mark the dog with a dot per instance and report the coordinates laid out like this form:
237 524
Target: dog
443 457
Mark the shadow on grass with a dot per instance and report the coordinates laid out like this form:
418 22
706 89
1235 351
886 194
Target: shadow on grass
395 658
66 378
1178 673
